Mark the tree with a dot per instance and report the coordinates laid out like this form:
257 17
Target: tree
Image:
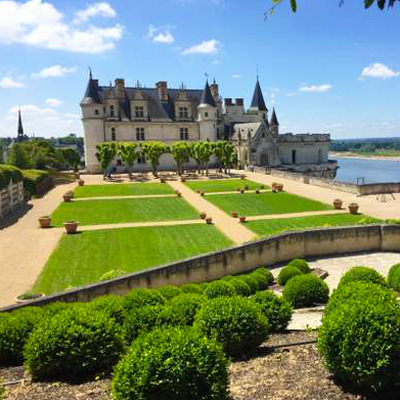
206 150
194 152
180 152
71 158
153 152
18 156
129 154
105 155
229 158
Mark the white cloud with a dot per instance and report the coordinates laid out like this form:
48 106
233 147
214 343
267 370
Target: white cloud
93 10
40 24
10 83
55 71
53 102
378 70
292 94
236 76
315 88
160 35
207 47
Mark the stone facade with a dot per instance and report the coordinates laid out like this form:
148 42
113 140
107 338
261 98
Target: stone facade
120 113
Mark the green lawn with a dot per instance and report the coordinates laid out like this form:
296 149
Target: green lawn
249 204
227 185
83 258
123 189
275 226
92 212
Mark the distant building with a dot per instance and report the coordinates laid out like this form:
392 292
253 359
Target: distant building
139 114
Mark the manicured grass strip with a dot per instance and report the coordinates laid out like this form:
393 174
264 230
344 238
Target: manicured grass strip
93 212
83 258
228 185
123 189
269 227
248 204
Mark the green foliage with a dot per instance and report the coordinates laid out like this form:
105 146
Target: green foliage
305 291
153 152
143 297
236 322
32 177
113 273
267 273
9 173
112 306
129 153
393 278
262 280
71 158
181 152
172 364
359 340
240 286
253 284
302 265
15 328
169 291
18 156
287 273
2 390
191 288
105 154
362 274
277 310
218 289
73 345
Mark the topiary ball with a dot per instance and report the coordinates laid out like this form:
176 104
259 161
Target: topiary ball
143 297
169 291
191 288
15 329
267 273
305 291
236 322
112 306
241 287
362 274
393 278
74 345
302 265
172 364
253 284
261 279
277 310
287 273
359 340
218 289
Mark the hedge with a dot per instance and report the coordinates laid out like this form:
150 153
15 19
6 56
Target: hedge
393 278
9 173
32 178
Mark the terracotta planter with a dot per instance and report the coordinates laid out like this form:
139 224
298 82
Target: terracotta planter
262 187
179 194
209 220
183 179
162 180
203 215
45 222
242 219
242 191
279 187
81 182
67 198
353 209
201 193
35 297
337 204
238 189
71 227
198 191
242 176
257 191
234 214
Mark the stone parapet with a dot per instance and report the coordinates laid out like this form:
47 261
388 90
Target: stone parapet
11 198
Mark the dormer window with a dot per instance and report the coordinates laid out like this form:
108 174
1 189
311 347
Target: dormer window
183 112
139 111
112 111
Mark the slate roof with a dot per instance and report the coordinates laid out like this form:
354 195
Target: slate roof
274 119
91 93
207 97
258 99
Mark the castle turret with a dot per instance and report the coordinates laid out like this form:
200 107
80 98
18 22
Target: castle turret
207 115
257 103
274 124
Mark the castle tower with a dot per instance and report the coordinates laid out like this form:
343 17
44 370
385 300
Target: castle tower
207 115
257 103
274 124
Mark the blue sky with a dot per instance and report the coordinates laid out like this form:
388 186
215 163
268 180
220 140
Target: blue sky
325 69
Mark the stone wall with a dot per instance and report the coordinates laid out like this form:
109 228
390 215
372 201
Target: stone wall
243 258
378 188
11 198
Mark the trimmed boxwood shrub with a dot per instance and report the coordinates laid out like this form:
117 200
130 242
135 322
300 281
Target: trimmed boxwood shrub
302 265
253 284
73 345
15 328
33 177
359 340
393 278
191 288
218 289
169 291
57 307
262 280
111 305
143 297
306 290
171 364
236 322
362 274
267 273
227 278
277 310
287 273
241 287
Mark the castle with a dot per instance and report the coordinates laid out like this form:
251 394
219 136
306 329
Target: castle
120 113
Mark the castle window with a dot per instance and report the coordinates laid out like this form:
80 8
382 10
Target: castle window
113 134
206 114
112 111
183 112
142 159
139 111
184 133
96 112
140 134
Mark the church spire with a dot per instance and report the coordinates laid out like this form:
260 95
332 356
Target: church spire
20 130
274 119
207 97
258 102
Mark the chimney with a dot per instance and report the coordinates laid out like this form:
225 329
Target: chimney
215 90
162 91
120 88
239 102
228 102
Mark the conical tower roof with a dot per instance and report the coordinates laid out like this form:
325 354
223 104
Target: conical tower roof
207 97
91 93
20 126
258 99
274 119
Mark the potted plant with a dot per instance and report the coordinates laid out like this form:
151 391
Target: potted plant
238 189
203 215
209 220
201 193
178 193
258 191
71 226
242 219
337 204
77 175
81 182
183 179
279 187
68 196
45 221
242 191
246 187
353 208
242 176
262 187
162 180
28 296
234 214
273 185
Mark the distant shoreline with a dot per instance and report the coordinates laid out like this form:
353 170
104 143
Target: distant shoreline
348 154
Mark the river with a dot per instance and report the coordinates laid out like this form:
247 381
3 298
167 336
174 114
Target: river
372 171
